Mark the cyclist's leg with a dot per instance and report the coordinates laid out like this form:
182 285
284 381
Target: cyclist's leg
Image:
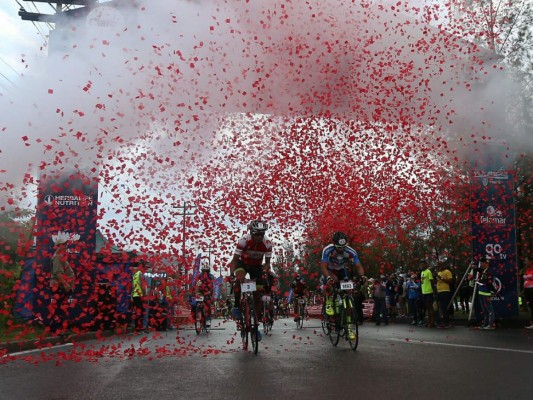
240 273
256 273
328 296
207 309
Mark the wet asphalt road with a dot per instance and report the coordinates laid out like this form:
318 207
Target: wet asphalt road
395 361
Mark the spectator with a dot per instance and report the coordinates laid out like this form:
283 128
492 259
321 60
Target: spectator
138 292
62 285
361 288
528 290
453 288
412 288
484 287
401 296
427 293
380 308
390 295
171 294
444 279
465 294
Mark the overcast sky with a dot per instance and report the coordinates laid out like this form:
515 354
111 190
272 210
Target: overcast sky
20 43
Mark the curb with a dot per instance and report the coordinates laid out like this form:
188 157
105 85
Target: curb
47 342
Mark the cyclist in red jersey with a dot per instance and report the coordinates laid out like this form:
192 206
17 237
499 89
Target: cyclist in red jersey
299 290
205 287
248 257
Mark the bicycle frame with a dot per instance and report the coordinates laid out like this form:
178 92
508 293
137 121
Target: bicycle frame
345 319
301 313
199 316
250 325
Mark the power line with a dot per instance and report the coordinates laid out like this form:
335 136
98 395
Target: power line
10 67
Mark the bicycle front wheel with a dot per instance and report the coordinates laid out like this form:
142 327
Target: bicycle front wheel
207 327
301 314
245 326
254 326
352 327
199 318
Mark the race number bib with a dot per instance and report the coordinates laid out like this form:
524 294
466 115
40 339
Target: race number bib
199 298
346 285
248 287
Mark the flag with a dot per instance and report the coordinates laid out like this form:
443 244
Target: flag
218 285
196 269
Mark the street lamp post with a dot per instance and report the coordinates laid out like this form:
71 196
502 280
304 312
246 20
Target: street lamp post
186 210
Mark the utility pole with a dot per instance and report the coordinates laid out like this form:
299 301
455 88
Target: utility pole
186 210
209 255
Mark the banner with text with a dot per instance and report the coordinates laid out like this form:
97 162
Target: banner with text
494 234
66 210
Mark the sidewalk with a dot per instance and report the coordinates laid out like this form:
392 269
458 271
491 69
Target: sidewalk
181 319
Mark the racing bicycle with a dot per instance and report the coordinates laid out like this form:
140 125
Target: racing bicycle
267 313
249 325
302 313
200 320
344 323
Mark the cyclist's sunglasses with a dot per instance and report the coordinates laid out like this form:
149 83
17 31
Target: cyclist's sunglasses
258 234
340 247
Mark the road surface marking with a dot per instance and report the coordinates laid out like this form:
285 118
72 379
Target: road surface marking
20 353
410 341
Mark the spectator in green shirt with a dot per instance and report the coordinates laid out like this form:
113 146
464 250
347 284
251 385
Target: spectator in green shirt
427 292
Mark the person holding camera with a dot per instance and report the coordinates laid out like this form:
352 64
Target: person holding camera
484 286
62 285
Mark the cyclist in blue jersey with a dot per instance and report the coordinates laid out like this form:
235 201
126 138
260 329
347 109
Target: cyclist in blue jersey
339 261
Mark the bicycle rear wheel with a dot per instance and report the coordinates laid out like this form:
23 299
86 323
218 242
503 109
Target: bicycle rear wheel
324 320
334 329
199 318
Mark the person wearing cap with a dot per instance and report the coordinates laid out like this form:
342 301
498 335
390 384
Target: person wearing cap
61 283
299 291
205 287
251 256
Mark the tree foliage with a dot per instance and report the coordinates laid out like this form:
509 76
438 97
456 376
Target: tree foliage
15 237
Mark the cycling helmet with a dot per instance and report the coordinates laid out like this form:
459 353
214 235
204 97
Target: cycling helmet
205 266
257 226
340 240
